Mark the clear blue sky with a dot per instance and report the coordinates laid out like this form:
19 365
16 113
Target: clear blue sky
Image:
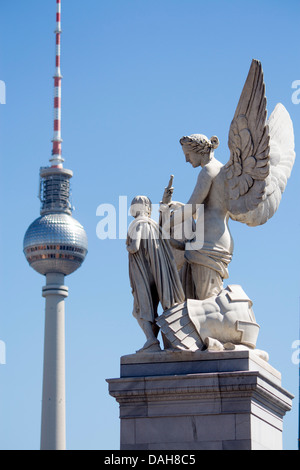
138 75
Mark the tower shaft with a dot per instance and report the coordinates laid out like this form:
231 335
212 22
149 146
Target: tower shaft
53 427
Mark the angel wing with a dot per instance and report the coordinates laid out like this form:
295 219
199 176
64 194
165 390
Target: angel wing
261 154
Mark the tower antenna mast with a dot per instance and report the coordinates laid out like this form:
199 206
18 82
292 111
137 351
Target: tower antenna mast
57 159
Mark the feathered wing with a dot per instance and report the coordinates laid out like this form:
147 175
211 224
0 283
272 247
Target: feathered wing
261 154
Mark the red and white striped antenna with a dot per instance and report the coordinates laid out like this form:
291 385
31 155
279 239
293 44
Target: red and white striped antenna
57 160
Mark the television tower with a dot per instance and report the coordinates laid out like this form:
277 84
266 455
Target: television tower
55 245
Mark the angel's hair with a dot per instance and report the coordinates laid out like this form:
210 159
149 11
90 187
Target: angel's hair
140 205
200 144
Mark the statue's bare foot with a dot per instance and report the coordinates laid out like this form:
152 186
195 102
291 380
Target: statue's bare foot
151 345
213 344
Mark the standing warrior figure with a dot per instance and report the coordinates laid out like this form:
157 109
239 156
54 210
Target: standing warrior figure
247 189
152 270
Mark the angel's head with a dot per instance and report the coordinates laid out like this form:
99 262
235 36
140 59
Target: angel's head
141 206
198 149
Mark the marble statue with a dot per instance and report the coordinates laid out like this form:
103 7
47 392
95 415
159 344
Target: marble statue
247 189
153 272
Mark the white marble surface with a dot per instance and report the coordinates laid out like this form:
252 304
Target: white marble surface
214 408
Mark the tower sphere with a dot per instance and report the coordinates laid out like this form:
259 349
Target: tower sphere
55 243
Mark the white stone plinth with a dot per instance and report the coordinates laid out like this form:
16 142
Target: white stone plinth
201 400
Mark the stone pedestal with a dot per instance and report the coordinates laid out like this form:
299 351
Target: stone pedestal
200 401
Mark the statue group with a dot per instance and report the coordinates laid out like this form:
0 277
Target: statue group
170 266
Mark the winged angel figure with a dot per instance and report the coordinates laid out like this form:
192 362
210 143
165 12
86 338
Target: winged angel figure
247 189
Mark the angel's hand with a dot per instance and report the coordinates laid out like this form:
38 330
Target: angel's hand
174 205
164 207
167 197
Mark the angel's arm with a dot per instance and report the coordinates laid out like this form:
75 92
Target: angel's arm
203 186
198 196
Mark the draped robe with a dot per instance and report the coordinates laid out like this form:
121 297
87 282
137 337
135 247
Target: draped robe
152 270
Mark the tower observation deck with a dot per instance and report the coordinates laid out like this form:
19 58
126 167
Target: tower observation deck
55 245
55 242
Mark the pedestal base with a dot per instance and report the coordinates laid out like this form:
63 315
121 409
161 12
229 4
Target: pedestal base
230 400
